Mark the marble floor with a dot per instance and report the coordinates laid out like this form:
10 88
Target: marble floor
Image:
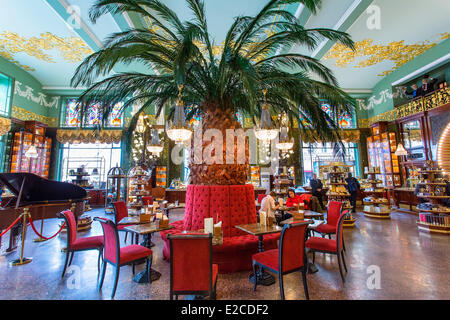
386 259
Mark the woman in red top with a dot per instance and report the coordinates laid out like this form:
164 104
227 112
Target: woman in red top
293 199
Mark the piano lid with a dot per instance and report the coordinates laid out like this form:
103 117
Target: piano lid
37 189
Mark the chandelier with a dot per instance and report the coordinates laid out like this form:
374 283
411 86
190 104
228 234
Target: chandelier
266 131
32 152
177 130
140 126
285 143
155 146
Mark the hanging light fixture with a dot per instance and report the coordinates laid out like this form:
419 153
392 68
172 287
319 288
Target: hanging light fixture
177 129
266 131
32 152
401 151
285 144
155 146
140 126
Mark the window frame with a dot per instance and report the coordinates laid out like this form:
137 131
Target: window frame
12 83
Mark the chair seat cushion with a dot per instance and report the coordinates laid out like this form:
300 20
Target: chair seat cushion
87 243
322 244
134 252
267 258
326 228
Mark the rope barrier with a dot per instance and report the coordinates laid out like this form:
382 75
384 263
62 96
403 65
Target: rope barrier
40 235
9 228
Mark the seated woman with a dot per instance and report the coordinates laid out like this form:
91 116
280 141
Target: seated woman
293 199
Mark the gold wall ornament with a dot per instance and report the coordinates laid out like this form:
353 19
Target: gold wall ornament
88 136
71 49
5 126
433 101
397 52
352 135
25 115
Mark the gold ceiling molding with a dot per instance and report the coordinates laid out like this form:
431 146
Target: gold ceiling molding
309 136
397 52
88 136
25 115
72 49
5 126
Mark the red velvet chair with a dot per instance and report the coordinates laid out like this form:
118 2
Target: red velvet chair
120 212
147 201
191 267
75 244
288 258
118 256
333 213
331 246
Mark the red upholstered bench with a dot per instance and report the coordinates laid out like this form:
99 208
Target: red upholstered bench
233 205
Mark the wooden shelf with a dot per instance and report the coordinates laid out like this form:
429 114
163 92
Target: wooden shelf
433 228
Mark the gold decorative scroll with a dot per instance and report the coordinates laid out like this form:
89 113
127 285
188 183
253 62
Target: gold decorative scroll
438 99
310 136
367 53
88 136
5 126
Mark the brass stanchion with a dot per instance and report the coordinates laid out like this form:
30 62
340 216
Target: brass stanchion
40 239
22 260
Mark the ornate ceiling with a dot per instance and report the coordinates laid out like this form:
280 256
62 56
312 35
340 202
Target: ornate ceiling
49 38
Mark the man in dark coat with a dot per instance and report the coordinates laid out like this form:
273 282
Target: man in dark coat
316 188
353 187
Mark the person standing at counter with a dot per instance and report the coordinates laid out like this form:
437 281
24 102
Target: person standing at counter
353 187
316 188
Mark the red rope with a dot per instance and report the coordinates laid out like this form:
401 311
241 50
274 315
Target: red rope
40 235
4 232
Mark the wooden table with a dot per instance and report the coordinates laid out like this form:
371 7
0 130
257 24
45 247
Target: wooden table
260 231
283 210
172 206
146 230
312 215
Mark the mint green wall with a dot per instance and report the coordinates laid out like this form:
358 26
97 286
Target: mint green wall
26 79
429 56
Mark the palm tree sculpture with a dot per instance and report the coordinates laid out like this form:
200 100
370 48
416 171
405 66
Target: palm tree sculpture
217 85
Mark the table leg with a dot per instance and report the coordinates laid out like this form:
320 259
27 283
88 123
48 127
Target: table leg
143 276
312 268
263 277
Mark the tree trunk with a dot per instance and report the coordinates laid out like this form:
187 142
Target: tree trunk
215 117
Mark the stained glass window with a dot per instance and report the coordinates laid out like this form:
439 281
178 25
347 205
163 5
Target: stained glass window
93 116
115 117
72 115
5 94
346 120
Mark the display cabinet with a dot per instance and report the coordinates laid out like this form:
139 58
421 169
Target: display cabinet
255 176
115 188
376 202
161 177
381 147
335 173
33 135
137 180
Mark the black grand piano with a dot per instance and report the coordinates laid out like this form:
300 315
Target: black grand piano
44 198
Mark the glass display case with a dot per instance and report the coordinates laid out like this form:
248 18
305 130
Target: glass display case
32 136
412 139
161 177
381 147
116 189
